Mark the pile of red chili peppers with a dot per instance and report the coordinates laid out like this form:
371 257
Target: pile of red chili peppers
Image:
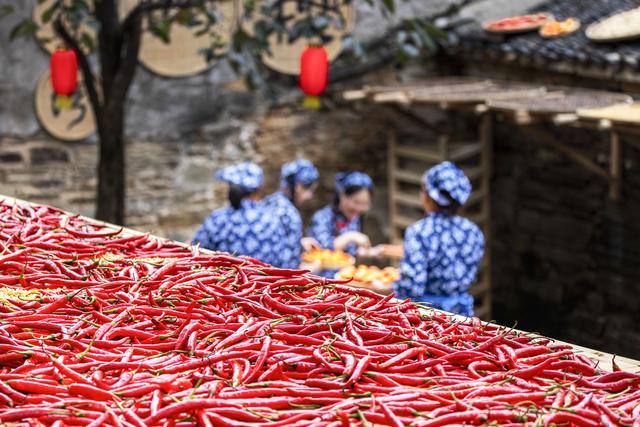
104 328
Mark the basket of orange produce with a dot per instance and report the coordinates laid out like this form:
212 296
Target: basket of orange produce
328 259
368 276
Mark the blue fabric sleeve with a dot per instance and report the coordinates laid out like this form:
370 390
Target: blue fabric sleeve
413 267
321 228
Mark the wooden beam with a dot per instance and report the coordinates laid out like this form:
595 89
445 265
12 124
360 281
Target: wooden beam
418 154
408 177
548 138
392 169
562 119
403 221
417 119
408 199
354 95
399 97
615 166
469 149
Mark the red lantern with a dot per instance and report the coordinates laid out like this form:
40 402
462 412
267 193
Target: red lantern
314 72
64 74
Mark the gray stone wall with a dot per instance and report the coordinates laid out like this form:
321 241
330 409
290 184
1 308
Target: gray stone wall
565 256
180 131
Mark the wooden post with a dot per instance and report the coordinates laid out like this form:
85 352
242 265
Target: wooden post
615 166
486 140
443 147
392 166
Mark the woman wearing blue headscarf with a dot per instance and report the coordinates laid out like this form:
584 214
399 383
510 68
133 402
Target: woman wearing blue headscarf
298 181
442 251
339 225
245 227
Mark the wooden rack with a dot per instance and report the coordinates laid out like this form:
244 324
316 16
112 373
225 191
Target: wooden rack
524 104
406 166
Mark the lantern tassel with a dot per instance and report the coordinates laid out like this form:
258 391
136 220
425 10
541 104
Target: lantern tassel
312 102
63 102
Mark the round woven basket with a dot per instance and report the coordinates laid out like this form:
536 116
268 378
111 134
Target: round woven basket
285 57
618 27
67 124
45 35
182 55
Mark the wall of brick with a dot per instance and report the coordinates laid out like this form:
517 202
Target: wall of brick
170 186
565 256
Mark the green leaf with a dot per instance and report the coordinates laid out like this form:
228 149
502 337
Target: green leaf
87 40
320 22
185 17
162 30
410 50
390 5
26 28
6 10
44 40
433 31
48 14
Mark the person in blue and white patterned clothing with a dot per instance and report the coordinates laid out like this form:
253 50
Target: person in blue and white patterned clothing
442 251
298 181
246 227
339 225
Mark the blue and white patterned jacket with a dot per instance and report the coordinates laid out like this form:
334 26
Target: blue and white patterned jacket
441 258
251 230
283 210
326 226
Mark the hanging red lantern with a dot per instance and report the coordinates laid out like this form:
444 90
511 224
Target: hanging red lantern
64 75
314 73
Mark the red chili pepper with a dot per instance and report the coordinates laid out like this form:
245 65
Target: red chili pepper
90 392
30 386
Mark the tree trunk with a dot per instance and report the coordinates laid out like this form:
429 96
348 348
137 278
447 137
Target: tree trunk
119 44
110 197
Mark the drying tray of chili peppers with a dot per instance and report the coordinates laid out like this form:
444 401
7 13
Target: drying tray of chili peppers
101 326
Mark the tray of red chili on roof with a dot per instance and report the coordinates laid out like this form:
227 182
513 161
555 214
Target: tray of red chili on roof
518 24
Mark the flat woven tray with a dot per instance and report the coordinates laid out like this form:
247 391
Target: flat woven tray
628 114
477 94
437 84
621 26
562 102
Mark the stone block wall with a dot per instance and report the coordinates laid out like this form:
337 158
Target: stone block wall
170 186
565 256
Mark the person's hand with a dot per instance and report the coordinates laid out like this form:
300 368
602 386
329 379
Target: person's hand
309 243
373 252
359 239
313 266
379 287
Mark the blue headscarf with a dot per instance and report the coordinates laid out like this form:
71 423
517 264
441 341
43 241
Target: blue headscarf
302 170
352 179
246 175
448 177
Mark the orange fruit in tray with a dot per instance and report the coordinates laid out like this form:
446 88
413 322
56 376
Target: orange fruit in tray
369 275
517 24
559 28
329 260
393 251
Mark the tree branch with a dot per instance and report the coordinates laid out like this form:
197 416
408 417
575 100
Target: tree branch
87 74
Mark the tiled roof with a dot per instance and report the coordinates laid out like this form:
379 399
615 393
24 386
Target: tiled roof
575 48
